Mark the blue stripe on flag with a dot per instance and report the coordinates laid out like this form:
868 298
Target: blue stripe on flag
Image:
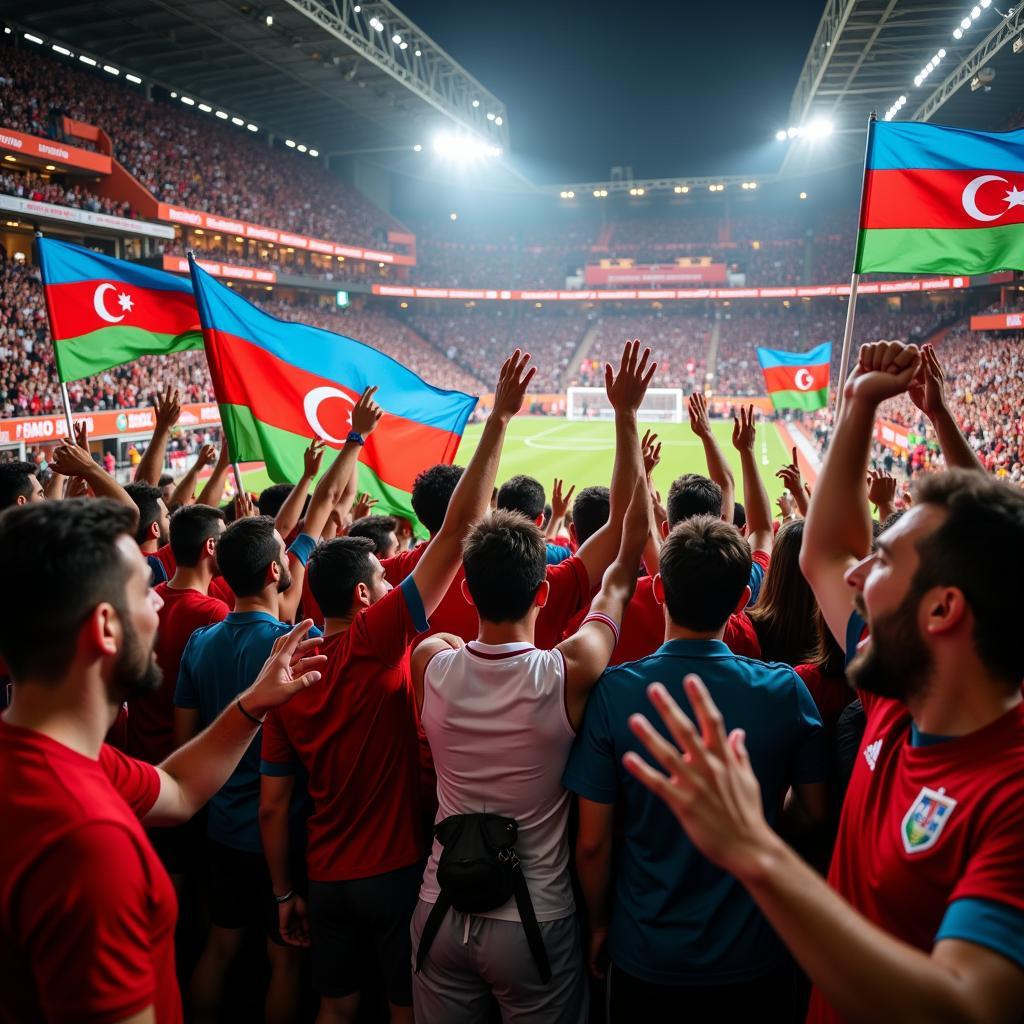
331 356
818 356
932 147
66 263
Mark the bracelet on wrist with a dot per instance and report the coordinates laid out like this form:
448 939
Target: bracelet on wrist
251 717
289 895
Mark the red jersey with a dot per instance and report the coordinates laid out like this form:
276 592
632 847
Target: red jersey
643 628
151 717
165 556
569 592
87 911
355 734
831 694
219 589
924 827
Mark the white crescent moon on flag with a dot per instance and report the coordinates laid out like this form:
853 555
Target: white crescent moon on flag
803 379
970 197
311 407
101 310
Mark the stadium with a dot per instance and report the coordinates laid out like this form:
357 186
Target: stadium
224 221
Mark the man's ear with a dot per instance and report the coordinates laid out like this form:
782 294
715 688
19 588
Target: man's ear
658 585
665 530
540 520
361 597
543 592
943 609
154 531
102 631
273 573
464 586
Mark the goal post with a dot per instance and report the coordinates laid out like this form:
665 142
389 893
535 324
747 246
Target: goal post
660 405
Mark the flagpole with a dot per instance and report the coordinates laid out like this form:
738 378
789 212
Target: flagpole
851 305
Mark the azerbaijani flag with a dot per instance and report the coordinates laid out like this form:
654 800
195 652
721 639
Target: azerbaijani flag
941 200
104 311
279 384
797 380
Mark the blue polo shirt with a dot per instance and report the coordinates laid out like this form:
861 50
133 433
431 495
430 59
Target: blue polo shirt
220 662
676 918
557 553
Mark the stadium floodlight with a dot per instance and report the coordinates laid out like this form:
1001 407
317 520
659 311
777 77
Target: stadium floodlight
87 60
453 215
134 79
111 70
817 129
780 135
803 195
252 127
396 39
499 121
965 24
567 194
206 108
7 30
222 114
33 39
419 53
463 147
301 148
269 20
377 24
417 148
403 45
188 101
681 190
975 12
941 54
476 103
490 116
357 8
314 152
238 121
792 133
61 49
958 33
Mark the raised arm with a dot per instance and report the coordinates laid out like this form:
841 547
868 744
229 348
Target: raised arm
469 502
760 534
559 506
927 392
791 479
650 452
718 468
882 493
213 490
168 409
837 532
290 512
184 493
70 460
626 390
587 651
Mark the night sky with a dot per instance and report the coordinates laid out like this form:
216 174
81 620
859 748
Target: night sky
665 87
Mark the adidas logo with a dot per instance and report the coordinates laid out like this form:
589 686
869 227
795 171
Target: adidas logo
871 752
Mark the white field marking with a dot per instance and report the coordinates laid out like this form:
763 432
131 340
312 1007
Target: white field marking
764 451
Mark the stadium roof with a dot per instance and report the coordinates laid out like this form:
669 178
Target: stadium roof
866 54
337 75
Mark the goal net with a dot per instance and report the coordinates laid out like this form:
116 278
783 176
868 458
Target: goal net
661 405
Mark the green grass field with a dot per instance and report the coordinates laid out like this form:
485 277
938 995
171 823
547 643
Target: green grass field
581 453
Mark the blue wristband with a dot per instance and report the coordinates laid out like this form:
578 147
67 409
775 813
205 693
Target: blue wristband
302 547
355 436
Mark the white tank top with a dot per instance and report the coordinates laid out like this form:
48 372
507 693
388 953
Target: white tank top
496 719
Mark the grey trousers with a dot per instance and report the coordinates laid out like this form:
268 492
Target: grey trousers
472 958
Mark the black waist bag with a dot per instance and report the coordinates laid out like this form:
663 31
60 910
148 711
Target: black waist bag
479 871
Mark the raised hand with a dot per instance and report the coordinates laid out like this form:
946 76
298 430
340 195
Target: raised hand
312 457
626 389
168 408
697 406
82 434
926 389
290 668
206 455
513 380
363 506
650 449
366 413
744 432
882 492
71 460
244 507
710 786
884 369
790 476
559 501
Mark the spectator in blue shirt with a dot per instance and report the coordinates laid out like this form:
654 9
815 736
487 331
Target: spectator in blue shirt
684 937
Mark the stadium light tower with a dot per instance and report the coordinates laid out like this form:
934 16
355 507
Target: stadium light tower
463 148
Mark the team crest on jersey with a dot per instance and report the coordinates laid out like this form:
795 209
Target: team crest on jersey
927 817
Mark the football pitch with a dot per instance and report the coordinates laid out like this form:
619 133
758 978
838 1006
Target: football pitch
581 453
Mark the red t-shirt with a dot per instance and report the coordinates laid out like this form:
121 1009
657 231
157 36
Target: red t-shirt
831 694
569 591
151 717
643 628
219 589
355 734
87 911
924 826
165 556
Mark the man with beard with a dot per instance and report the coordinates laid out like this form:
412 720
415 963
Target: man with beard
153 530
923 914
214 668
87 912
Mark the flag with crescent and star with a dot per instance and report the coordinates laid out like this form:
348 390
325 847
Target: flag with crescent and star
281 384
797 380
104 311
941 200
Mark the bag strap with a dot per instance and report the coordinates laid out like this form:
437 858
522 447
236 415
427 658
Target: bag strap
528 916
431 927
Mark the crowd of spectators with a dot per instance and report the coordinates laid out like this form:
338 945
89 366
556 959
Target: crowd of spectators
44 188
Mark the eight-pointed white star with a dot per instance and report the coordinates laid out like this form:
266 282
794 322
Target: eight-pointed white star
124 300
1015 197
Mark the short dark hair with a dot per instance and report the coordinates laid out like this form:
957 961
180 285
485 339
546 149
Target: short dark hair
979 549
15 482
431 492
693 495
505 561
590 512
191 527
64 557
245 551
165 480
739 515
522 494
272 498
376 529
335 568
704 564
147 499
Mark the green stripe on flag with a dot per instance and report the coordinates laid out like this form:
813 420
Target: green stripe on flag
111 346
251 440
805 400
941 250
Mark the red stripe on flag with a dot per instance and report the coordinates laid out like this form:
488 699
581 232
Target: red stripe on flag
276 391
83 306
796 378
942 199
